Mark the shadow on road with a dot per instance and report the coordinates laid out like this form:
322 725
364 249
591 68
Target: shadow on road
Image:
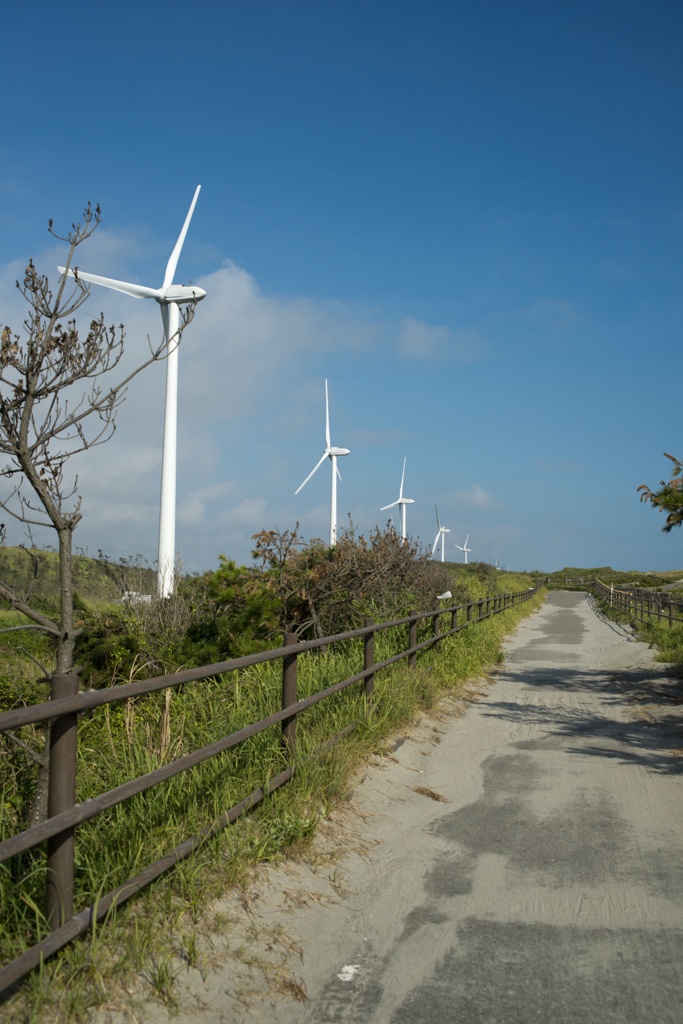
642 721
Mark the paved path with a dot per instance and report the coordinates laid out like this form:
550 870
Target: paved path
546 885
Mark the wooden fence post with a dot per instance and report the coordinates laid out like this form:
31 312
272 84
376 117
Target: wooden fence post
437 629
63 743
369 658
289 694
412 640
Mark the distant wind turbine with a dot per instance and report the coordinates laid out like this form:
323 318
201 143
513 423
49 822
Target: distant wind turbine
170 296
402 502
443 530
332 453
464 548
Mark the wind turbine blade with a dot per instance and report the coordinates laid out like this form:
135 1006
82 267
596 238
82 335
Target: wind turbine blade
466 539
400 493
327 417
436 541
438 523
175 255
385 507
138 291
338 473
314 470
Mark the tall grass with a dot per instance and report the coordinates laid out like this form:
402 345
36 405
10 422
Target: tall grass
118 743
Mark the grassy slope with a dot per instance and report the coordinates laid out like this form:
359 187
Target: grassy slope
34 573
121 743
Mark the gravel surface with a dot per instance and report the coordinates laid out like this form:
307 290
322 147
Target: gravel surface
520 862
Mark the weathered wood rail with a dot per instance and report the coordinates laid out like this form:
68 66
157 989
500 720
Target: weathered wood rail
67 702
642 605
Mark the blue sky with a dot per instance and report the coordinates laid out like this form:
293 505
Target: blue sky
468 216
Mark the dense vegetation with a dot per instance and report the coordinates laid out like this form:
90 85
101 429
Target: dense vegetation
308 589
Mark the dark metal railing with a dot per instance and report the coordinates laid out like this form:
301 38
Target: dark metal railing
66 703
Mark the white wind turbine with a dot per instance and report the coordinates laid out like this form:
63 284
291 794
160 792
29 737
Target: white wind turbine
402 502
170 296
464 547
442 530
332 453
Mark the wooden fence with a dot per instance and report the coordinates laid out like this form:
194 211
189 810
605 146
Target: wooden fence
66 703
640 604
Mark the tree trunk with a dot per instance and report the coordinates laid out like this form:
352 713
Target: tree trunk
66 643
67 639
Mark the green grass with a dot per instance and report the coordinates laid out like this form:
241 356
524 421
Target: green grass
121 742
669 642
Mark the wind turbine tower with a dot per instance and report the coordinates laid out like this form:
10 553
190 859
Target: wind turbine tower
170 297
401 502
332 453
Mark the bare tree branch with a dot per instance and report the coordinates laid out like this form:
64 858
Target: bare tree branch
33 754
59 397
42 620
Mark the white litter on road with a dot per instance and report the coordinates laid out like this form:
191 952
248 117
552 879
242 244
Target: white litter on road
349 972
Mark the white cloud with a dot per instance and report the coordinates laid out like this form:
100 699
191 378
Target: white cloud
476 497
419 340
192 509
250 383
247 512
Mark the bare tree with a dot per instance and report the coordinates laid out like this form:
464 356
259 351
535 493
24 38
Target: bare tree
59 396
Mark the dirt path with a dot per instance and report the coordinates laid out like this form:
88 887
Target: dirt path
544 884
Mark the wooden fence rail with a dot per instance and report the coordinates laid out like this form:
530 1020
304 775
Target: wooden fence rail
640 604
65 815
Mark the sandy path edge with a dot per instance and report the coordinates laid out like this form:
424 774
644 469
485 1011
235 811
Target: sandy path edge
444 833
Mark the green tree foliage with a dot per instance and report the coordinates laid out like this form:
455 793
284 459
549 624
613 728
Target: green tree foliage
209 618
669 497
239 614
296 586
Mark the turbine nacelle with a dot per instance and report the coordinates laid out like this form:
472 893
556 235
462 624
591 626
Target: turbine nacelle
338 451
181 293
